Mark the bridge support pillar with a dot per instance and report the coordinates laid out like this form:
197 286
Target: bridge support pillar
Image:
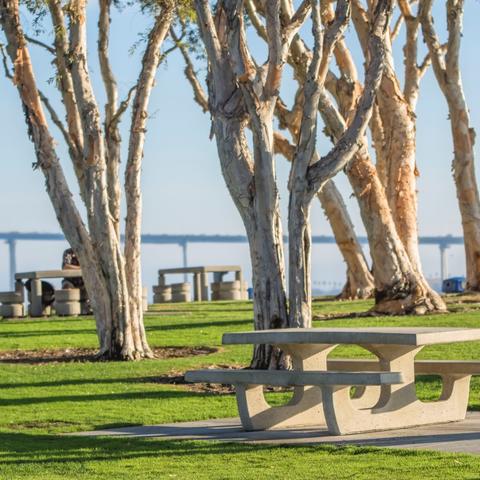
443 262
12 253
185 259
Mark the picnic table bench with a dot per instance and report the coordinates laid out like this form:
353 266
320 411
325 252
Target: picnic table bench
385 397
36 285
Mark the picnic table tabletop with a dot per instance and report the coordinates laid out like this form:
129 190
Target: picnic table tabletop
38 274
202 269
357 336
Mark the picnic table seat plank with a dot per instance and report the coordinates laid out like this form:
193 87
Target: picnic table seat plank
422 367
292 378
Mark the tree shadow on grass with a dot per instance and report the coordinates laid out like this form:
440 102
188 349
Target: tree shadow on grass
193 324
102 397
155 379
19 449
173 326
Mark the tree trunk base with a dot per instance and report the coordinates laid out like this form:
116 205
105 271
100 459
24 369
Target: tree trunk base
121 355
268 357
356 292
418 300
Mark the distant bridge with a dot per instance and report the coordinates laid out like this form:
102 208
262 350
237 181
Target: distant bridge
11 238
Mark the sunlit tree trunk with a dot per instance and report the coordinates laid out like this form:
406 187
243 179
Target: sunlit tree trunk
446 65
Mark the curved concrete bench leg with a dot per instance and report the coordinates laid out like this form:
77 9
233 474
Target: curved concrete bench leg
257 414
366 396
343 417
305 407
398 405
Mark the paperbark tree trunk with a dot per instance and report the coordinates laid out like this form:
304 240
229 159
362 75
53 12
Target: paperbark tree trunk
250 181
398 124
308 175
398 287
446 66
121 334
360 283
133 191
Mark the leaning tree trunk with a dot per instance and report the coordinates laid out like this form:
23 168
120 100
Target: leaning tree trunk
99 249
263 231
398 286
447 71
360 283
466 184
133 191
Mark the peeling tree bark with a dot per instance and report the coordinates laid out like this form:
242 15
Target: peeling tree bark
119 320
241 92
445 62
308 175
399 135
360 283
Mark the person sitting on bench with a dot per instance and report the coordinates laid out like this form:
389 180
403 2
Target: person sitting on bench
70 262
48 293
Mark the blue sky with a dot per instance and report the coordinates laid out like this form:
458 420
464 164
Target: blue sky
183 188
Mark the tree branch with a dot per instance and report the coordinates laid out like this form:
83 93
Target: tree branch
433 43
350 141
56 120
199 94
40 44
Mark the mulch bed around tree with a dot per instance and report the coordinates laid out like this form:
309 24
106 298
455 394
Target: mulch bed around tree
58 355
177 378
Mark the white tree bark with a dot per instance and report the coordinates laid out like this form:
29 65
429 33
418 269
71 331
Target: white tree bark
241 92
119 320
445 62
308 175
133 192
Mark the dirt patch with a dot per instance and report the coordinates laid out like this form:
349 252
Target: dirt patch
39 357
178 378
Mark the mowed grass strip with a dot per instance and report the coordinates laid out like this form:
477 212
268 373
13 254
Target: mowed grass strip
38 402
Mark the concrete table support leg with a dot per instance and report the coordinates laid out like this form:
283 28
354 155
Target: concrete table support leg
305 407
398 405
36 302
197 288
204 284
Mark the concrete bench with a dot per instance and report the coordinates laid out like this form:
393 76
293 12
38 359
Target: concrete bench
67 302
315 404
422 367
11 305
181 292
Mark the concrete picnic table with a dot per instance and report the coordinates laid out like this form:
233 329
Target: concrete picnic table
322 387
200 277
36 285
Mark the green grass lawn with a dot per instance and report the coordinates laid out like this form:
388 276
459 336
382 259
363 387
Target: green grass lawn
39 402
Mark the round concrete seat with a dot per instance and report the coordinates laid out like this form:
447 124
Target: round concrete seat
162 294
67 295
181 292
12 310
227 290
12 305
9 298
67 302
